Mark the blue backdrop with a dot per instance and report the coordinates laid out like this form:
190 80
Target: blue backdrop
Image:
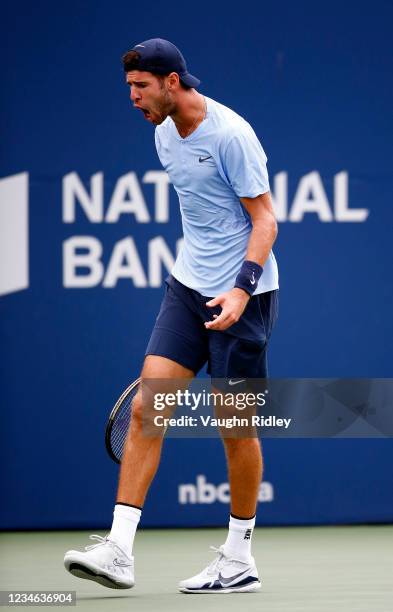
90 226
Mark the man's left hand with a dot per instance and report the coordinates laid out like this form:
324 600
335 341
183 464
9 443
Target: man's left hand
233 303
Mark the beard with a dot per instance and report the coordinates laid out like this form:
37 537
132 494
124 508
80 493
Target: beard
158 110
163 107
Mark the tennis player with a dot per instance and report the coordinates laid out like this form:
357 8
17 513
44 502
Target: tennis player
219 307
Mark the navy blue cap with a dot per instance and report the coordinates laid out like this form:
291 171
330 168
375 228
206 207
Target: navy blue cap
161 56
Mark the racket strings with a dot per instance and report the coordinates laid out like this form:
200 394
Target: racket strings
121 424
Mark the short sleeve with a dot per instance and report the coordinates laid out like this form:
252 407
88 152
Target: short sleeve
244 163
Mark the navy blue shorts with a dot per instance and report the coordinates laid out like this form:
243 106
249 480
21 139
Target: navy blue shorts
238 352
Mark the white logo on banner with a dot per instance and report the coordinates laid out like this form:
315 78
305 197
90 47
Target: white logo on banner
14 233
207 493
84 256
310 197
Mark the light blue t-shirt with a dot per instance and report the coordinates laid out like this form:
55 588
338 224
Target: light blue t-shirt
221 161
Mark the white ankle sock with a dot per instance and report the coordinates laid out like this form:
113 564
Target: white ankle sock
125 522
238 542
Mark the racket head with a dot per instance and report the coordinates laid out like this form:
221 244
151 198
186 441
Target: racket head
119 422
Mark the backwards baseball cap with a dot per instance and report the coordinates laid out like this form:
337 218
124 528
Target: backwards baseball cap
162 57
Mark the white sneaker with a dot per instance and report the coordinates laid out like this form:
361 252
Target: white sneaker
104 563
224 575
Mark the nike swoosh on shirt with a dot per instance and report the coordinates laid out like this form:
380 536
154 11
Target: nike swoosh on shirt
235 382
202 159
230 578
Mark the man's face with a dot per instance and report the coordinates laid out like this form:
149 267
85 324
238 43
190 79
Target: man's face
150 95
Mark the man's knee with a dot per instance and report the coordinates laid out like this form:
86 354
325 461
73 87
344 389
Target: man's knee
137 410
143 415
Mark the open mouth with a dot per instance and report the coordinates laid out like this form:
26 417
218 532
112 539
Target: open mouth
146 113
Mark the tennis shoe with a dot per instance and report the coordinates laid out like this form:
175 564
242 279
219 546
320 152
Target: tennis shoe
105 563
224 575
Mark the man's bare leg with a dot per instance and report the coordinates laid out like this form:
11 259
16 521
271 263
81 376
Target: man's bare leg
110 562
141 455
244 460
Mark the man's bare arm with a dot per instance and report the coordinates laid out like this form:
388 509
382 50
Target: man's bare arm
262 237
264 227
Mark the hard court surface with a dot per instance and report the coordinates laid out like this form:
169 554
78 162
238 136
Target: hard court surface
302 569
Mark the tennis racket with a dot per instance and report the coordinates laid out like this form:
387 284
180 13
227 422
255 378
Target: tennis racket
119 422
